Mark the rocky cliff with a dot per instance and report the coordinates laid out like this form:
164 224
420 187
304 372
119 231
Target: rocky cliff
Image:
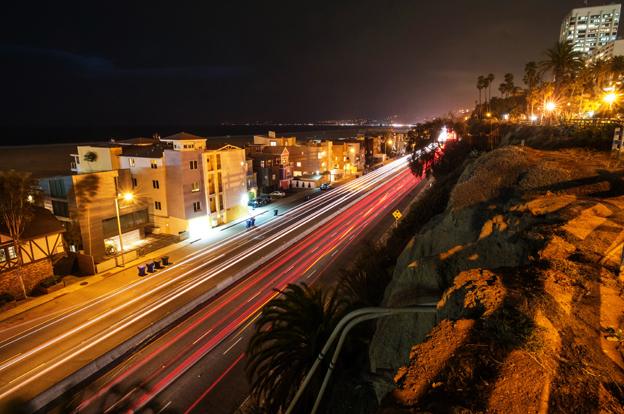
526 257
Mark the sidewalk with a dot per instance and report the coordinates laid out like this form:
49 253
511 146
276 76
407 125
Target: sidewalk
129 274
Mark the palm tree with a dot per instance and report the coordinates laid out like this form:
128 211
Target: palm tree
480 85
531 79
563 62
489 79
290 333
507 87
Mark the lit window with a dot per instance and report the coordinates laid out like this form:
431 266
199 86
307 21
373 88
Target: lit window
195 187
298 163
131 162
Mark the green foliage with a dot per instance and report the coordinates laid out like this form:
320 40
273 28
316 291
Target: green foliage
290 333
562 61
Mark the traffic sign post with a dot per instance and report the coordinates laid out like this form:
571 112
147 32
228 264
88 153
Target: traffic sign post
397 215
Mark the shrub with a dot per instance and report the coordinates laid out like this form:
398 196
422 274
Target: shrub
6 298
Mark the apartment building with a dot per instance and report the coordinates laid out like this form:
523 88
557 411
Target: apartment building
611 49
272 166
178 186
311 158
225 185
85 203
272 140
348 159
589 28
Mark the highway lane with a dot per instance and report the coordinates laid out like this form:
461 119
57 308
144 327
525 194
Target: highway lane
36 356
183 368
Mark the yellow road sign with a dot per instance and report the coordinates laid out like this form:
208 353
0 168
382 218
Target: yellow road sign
397 214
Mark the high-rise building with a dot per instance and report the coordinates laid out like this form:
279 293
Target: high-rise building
591 27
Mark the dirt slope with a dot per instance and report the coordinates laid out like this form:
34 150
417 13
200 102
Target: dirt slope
528 255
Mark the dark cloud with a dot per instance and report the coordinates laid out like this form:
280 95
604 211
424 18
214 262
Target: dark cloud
207 62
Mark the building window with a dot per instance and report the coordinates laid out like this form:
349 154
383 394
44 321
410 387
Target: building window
135 183
196 206
195 187
155 184
153 164
298 163
2 256
157 205
57 188
131 162
60 208
193 165
11 250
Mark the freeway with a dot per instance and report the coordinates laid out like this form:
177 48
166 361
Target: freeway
35 355
197 366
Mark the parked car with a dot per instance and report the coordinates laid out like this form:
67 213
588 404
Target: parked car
264 199
277 194
325 186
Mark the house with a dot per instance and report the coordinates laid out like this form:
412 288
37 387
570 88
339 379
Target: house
272 166
41 244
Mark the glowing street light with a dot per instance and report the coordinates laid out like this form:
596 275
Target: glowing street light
550 106
488 114
128 196
610 98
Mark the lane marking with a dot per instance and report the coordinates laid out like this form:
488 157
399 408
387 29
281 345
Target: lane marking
232 346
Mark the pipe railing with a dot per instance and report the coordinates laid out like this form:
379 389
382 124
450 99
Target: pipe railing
342 328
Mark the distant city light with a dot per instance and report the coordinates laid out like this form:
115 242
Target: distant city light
443 136
590 114
533 118
506 117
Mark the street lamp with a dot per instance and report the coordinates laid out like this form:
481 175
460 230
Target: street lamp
610 98
126 197
388 141
550 106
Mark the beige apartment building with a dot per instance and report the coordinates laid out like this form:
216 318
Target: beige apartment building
177 187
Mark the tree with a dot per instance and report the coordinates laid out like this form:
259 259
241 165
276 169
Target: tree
563 62
480 85
507 87
289 334
532 78
17 193
489 79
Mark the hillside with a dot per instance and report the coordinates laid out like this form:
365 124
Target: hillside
527 255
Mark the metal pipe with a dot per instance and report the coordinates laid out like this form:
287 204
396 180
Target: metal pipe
345 332
330 341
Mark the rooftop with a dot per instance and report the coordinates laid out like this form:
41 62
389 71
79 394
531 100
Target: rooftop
42 224
182 136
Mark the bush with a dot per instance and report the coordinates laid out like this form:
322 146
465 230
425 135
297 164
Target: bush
6 298
41 288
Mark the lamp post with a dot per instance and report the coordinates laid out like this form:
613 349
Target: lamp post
610 98
125 197
388 141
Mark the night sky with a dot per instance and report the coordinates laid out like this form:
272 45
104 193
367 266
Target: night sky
203 62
